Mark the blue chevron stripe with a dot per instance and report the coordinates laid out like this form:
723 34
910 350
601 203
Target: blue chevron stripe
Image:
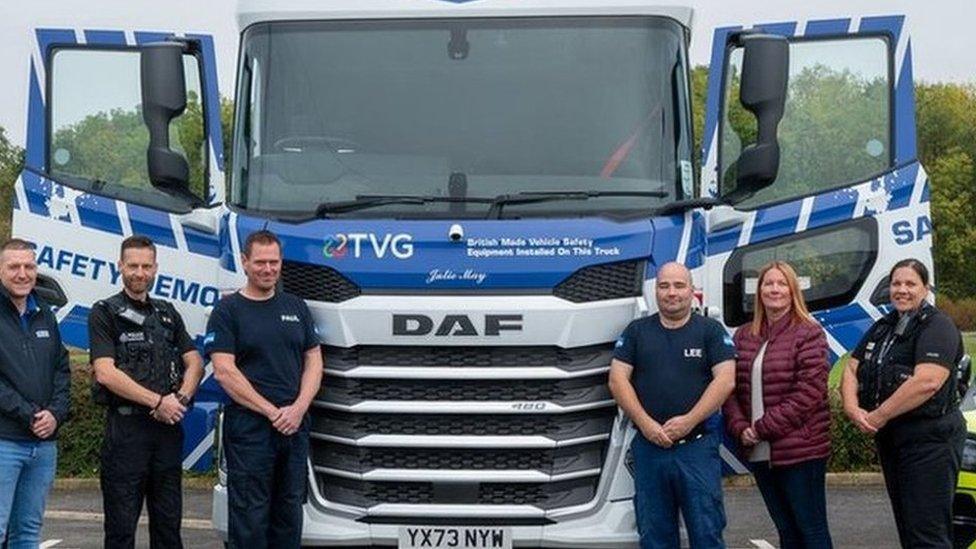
827 27
776 221
785 28
152 223
846 324
107 37
74 327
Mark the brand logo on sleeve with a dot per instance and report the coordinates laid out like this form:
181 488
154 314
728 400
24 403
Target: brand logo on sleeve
693 353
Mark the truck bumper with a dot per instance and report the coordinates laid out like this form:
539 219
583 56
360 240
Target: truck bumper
610 526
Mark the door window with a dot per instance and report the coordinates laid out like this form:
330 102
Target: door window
836 127
97 137
831 264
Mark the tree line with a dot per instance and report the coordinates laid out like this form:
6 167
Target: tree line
946 122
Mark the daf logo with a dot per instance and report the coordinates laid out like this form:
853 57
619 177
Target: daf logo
455 325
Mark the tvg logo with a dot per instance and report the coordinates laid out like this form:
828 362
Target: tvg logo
334 247
338 246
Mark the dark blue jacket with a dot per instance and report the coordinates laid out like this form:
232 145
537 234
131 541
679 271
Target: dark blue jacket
34 369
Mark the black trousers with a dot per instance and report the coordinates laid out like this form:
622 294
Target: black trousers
920 460
267 481
141 460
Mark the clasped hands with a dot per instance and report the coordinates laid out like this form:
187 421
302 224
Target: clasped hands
672 431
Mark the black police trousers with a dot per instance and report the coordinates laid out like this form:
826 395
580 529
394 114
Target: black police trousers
920 460
141 460
267 481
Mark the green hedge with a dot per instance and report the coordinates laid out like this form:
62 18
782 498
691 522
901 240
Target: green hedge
852 449
80 439
962 311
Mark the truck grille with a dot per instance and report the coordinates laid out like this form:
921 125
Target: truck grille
553 426
579 358
367 451
605 281
595 283
546 496
316 282
351 391
557 461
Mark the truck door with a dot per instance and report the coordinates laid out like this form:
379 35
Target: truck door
85 185
850 198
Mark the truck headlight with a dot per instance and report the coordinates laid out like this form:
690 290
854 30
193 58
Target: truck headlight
969 455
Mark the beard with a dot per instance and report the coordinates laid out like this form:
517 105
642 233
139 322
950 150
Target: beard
136 285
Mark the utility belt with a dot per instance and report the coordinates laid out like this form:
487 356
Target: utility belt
127 410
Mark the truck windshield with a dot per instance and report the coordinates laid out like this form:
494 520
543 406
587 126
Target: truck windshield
468 109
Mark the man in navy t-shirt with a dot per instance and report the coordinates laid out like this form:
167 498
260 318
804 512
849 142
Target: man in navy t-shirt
265 352
670 374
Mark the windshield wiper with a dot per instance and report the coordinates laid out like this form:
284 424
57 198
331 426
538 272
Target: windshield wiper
532 197
681 206
363 202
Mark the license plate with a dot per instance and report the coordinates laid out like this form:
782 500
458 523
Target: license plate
454 537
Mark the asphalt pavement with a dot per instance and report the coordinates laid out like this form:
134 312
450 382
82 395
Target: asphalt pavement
860 517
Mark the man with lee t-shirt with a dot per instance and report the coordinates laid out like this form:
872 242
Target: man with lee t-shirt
670 374
265 352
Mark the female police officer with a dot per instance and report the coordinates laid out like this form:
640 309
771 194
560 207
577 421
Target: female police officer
900 383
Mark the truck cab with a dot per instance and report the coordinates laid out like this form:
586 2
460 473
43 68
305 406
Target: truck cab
474 199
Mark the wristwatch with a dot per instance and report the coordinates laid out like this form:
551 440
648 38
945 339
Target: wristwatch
183 399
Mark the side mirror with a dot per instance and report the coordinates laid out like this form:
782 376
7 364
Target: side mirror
765 74
163 99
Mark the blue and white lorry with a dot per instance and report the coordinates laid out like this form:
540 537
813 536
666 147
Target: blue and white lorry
474 198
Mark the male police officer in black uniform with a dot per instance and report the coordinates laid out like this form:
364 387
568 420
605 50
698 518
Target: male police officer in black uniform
147 369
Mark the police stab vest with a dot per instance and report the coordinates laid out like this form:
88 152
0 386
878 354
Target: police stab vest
145 347
880 374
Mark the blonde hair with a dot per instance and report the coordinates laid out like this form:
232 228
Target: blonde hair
798 309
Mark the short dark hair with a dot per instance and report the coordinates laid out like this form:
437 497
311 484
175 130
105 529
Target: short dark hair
911 263
264 237
16 244
137 241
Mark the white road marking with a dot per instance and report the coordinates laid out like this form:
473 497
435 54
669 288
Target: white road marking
49 543
193 524
762 544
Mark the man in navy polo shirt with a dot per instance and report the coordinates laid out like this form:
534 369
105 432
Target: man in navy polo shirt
670 374
265 352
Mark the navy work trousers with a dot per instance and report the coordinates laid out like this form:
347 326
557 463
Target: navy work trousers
267 481
685 477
